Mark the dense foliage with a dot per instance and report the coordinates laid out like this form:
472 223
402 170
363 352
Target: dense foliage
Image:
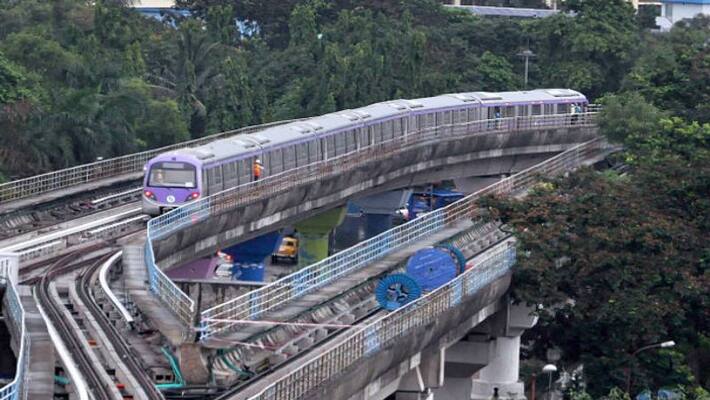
80 80
621 261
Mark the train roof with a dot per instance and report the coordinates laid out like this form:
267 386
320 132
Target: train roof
244 144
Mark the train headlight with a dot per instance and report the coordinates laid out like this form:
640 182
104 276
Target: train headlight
149 195
193 196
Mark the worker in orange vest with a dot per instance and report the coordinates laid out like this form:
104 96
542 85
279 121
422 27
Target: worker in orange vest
258 169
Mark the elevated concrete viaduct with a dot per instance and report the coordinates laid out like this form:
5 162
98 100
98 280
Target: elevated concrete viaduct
483 154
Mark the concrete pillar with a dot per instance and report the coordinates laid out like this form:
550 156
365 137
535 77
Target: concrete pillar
351 231
313 235
249 256
380 208
501 373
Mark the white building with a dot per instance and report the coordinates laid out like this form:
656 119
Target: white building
676 10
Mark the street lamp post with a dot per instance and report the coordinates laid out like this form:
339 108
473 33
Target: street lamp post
668 343
549 369
527 54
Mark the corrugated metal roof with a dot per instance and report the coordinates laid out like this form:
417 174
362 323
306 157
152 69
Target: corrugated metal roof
508 11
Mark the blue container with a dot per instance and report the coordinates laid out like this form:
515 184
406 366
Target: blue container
253 272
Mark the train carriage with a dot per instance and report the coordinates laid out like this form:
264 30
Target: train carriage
179 177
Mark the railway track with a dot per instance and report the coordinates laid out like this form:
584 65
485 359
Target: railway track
362 318
99 389
45 216
84 288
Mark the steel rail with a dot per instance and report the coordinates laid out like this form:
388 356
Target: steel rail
74 344
131 164
84 289
370 316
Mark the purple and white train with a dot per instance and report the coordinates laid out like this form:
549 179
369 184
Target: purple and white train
181 176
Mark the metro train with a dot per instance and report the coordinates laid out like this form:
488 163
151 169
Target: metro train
181 176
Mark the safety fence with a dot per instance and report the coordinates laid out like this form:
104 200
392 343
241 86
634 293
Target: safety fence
257 302
388 329
15 319
96 171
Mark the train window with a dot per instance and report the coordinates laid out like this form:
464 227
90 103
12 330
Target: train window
289 158
387 132
447 117
314 151
352 143
364 137
563 108
172 174
472 115
549 109
340 143
522 111
536 109
376 133
276 161
205 182
492 112
330 143
397 126
215 176
508 112
301 154
430 120
230 174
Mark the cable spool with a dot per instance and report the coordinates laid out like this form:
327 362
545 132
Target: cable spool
432 268
457 254
395 291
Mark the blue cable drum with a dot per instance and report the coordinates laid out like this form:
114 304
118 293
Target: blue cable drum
432 268
458 254
396 290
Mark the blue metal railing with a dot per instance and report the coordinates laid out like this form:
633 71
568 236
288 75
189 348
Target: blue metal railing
15 390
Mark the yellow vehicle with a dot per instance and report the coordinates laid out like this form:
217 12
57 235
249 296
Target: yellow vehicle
287 250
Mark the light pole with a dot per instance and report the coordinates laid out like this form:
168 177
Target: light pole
667 343
527 54
549 369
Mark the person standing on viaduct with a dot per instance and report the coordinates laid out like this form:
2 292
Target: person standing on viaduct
258 169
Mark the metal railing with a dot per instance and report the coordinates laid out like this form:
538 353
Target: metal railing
257 302
86 173
166 290
15 317
382 332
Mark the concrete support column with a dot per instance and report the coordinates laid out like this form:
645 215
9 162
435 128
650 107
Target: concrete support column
249 256
380 208
313 235
501 374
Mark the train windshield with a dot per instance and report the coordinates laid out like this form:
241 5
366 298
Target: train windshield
172 174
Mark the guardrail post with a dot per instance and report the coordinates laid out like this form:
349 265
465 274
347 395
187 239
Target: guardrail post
10 266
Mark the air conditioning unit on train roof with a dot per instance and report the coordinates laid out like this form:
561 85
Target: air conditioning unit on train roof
200 154
350 115
362 114
316 126
487 96
398 106
301 128
562 92
413 103
463 97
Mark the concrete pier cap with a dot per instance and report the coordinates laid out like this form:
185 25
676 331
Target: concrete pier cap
313 234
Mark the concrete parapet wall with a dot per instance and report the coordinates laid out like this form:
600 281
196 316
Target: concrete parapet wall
450 327
477 155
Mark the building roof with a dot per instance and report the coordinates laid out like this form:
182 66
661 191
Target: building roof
508 11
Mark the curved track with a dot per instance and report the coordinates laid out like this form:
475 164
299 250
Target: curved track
84 289
98 388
